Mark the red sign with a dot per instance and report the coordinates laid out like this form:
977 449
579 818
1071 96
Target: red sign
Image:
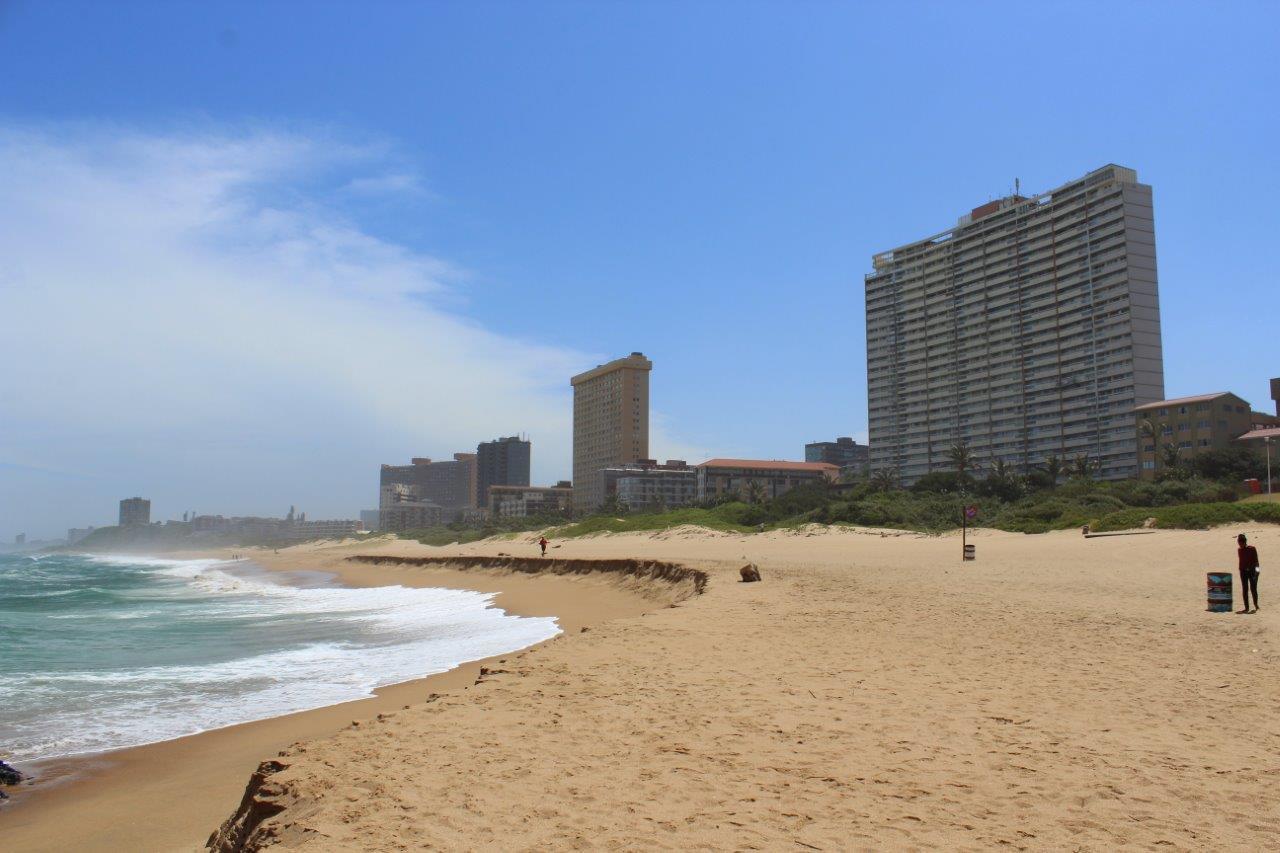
971 511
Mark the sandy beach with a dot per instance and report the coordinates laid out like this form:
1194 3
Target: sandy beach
874 691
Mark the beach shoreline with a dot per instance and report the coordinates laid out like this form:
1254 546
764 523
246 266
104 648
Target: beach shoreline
107 800
873 691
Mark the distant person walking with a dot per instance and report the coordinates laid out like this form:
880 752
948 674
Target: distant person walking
1248 572
542 543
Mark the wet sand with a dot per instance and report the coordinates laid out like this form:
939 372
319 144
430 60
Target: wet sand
171 795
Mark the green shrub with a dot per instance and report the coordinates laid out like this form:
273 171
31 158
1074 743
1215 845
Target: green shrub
1192 516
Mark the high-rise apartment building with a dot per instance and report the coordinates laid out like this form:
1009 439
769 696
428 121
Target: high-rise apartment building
501 462
610 423
1030 329
134 511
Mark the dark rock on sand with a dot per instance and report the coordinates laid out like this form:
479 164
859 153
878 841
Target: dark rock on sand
10 775
750 573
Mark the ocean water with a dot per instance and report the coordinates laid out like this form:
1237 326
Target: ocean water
99 653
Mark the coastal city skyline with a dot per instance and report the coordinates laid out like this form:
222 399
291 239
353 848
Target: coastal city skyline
742 424
422 252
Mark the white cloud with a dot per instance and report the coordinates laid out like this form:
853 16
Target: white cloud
392 183
180 317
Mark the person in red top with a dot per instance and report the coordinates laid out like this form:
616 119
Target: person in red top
1248 572
543 542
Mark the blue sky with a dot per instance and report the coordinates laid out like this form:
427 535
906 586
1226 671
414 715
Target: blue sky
541 187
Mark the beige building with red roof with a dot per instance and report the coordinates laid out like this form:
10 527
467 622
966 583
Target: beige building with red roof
767 478
1193 425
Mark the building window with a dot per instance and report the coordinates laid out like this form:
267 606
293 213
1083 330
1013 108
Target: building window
1148 464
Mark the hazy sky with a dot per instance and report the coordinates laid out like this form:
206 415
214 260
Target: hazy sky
249 251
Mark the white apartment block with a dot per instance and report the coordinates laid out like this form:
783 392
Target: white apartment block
1032 328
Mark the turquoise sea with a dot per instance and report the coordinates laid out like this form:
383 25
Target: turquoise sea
98 653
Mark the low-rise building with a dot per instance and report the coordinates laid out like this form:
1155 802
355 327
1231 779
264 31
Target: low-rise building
1192 425
649 486
851 458
450 484
75 534
401 506
530 501
759 479
339 528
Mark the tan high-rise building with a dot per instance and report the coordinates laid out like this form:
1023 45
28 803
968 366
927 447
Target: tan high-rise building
610 423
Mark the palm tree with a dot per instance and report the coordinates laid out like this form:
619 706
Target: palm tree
1170 455
885 479
755 492
1053 467
1082 467
1150 429
962 458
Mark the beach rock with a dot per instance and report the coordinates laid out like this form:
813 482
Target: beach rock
750 573
10 775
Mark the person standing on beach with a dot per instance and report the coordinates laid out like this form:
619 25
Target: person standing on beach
1248 572
543 543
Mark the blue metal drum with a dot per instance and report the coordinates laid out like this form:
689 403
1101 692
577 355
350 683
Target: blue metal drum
1219 592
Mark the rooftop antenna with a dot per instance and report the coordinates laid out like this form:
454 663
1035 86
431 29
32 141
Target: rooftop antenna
1017 187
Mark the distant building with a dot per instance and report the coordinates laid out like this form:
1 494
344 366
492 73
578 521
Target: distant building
845 453
530 501
767 478
1029 329
330 529
75 534
369 518
135 511
402 507
648 486
501 462
610 423
20 539
1192 425
449 484
1275 395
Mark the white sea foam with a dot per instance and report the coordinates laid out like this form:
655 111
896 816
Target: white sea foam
334 645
